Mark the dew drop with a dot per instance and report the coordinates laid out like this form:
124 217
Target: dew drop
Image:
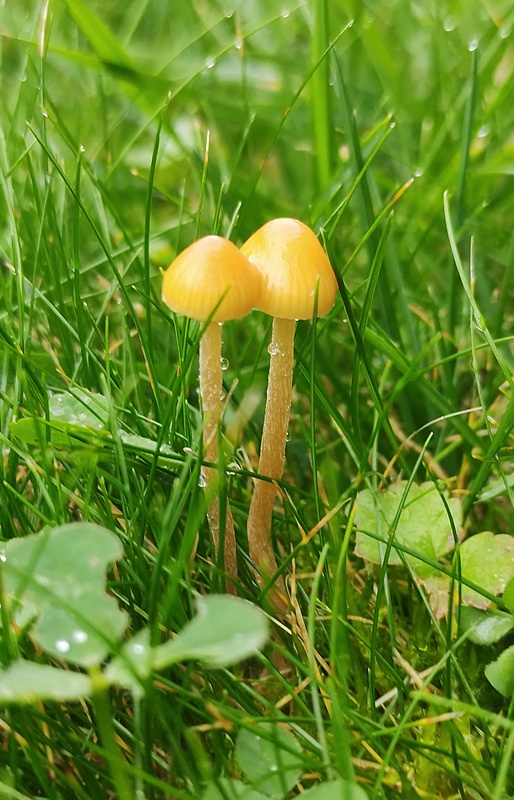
3 558
138 649
285 13
62 645
188 451
229 14
44 113
483 131
202 483
473 45
210 63
82 148
239 43
273 350
418 172
450 24
79 637
288 437
505 30
224 364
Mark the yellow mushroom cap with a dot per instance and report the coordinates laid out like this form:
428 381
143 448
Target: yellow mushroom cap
211 274
293 265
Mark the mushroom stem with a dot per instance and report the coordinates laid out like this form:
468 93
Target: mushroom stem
273 446
210 392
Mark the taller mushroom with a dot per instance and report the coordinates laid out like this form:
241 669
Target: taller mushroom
212 281
296 273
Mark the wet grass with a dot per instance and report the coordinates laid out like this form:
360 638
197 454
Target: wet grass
127 131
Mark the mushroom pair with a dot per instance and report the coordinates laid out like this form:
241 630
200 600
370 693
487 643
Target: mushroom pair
282 270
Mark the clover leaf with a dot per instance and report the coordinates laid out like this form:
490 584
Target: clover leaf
55 581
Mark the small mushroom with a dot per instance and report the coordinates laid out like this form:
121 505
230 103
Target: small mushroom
212 281
296 275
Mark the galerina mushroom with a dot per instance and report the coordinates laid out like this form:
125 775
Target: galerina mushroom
212 281
297 279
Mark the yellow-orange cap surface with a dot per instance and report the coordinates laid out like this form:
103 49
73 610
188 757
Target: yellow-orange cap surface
293 265
211 270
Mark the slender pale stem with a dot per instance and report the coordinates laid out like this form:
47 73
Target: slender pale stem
273 445
210 392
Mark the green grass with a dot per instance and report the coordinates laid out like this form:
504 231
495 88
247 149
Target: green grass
127 131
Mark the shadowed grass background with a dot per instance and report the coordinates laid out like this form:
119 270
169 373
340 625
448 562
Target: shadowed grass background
129 129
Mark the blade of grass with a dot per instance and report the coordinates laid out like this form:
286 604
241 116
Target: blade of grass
461 187
320 86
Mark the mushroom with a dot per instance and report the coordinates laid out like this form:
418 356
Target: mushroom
212 281
297 276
